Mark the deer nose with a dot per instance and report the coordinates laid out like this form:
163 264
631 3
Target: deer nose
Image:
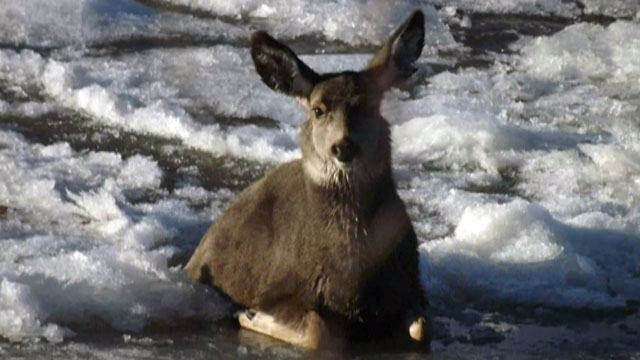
345 150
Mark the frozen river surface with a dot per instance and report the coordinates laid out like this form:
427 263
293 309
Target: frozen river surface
126 127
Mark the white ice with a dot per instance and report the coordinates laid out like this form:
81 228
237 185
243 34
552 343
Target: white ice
530 7
523 179
565 118
568 9
352 22
74 249
42 24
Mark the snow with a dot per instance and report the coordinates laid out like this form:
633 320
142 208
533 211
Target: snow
352 22
587 51
522 179
567 9
74 248
39 24
563 120
100 88
19 315
518 253
615 8
533 7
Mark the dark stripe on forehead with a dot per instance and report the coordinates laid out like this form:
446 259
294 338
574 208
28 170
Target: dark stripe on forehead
338 89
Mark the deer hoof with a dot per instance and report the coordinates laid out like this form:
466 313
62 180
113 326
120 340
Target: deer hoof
418 329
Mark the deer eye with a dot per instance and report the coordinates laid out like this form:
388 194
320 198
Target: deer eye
318 112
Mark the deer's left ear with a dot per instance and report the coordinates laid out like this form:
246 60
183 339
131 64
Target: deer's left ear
394 61
280 68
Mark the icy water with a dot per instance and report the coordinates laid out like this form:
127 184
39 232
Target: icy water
126 127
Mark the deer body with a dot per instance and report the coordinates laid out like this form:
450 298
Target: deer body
324 239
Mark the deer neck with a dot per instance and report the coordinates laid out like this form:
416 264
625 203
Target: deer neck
349 202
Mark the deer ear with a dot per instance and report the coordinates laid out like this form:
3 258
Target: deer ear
280 68
394 61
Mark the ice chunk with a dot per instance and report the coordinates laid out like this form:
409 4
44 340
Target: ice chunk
517 232
459 143
587 51
568 9
515 252
614 162
41 24
615 8
352 22
531 7
20 315
101 208
156 106
140 172
469 119
37 24
75 247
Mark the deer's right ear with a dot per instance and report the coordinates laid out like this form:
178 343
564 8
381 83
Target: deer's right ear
280 68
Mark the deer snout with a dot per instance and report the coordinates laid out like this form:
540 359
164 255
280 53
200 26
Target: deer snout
344 150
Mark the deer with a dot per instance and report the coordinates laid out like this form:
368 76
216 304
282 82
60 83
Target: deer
322 246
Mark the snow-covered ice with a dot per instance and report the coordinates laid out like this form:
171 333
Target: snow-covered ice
522 177
353 22
74 248
39 24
